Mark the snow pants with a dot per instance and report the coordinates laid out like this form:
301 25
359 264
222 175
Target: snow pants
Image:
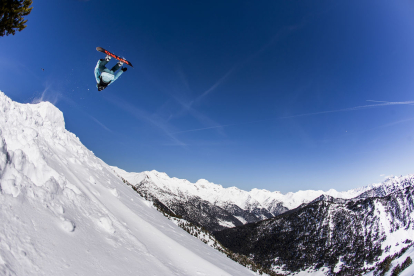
102 67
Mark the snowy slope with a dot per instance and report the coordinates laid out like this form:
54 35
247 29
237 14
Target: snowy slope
64 212
409 271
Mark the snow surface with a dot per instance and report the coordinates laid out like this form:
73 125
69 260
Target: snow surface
64 212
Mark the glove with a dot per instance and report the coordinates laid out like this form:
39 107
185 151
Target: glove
101 59
123 69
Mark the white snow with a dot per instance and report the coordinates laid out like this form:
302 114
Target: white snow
225 223
242 220
64 212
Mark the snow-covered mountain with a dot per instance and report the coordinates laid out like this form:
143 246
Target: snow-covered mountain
332 236
389 186
63 211
216 208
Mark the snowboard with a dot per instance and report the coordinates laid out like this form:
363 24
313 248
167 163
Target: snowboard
100 49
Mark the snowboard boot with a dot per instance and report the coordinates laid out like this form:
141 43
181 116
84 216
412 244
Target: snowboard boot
120 63
108 58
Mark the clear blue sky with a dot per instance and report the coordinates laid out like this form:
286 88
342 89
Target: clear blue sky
281 95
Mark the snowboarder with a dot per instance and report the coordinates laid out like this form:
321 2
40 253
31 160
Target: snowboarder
104 76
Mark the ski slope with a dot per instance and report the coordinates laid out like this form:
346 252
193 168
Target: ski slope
64 212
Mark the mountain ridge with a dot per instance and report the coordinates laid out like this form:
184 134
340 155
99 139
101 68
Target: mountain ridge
342 237
233 206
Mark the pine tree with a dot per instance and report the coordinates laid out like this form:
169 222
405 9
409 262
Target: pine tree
396 271
11 15
406 263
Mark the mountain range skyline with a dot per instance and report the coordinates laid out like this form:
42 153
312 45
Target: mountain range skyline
216 208
360 189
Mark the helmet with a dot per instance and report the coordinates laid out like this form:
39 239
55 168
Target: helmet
101 87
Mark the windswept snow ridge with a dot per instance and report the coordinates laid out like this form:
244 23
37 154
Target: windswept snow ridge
64 212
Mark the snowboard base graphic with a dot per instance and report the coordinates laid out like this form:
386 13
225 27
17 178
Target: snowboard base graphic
100 49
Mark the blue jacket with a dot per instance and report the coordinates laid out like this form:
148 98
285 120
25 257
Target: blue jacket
108 76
